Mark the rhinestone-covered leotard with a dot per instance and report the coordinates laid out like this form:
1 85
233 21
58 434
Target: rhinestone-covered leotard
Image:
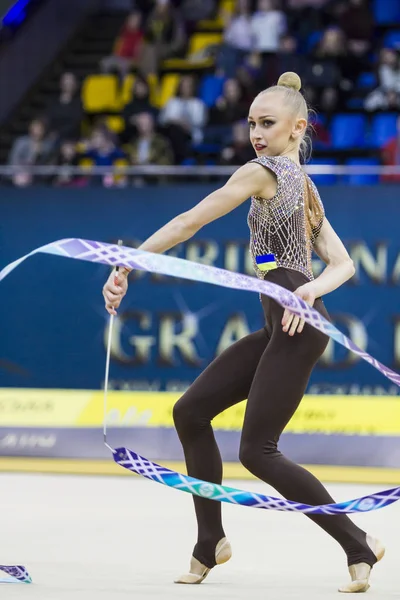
278 226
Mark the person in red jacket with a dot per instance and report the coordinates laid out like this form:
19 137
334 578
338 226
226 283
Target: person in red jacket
127 46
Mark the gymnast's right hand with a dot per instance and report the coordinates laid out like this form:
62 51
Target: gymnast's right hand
114 290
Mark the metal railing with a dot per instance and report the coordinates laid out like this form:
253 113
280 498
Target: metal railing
186 171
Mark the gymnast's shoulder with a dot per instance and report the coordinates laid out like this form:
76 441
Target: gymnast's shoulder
255 180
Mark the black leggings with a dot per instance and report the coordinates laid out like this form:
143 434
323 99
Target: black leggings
271 369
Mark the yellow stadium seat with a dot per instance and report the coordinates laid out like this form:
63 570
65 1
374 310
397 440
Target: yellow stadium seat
168 88
100 94
201 41
154 89
126 93
86 163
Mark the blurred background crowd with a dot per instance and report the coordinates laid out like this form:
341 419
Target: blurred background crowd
169 82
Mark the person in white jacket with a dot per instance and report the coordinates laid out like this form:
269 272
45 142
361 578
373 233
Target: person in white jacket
268 25
186 110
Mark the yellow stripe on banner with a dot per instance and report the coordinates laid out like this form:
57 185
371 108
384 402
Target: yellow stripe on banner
326 473
349 415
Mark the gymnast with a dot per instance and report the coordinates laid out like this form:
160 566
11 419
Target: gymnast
270 367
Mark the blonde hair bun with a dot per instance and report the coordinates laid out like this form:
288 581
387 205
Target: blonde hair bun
290 80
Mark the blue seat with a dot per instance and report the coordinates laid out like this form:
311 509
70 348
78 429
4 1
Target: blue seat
392 39
211 89
386 11
313 39
362 178
326 178
383 128
367 80
348 131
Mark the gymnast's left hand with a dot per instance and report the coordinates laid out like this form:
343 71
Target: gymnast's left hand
114 290
291 322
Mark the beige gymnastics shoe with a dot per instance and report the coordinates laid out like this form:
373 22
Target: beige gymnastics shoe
361 572
198 571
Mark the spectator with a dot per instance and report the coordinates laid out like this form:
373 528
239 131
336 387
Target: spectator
391 156
268 24
240 150
229 108
194 11
251 77
288 58
237 39
36 148
389 82
357 22
65 114
149 147
140 103
184 117
102 147
127 47
164 37
323 80
66 160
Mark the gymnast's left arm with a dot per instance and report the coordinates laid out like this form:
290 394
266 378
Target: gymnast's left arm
339 266
247 181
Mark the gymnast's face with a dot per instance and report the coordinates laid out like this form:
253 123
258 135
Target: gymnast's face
274 129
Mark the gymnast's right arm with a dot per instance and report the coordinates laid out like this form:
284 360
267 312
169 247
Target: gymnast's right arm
249 180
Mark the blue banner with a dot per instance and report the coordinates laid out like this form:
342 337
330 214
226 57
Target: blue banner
53 322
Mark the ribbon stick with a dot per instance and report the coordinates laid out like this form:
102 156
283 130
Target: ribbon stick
115 255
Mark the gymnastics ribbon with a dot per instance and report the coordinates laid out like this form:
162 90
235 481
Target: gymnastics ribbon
18 574
114 255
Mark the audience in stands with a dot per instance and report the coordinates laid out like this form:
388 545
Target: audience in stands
268 24
140 103
387 94
329 43
184 117
164 37
66 113
391 155
237 38
67 158
239 151
35 148
127 47
149 147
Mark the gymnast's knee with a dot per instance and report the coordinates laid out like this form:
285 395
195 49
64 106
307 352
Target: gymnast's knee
186 418
257 458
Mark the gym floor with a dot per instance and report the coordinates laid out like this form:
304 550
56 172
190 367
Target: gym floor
117 538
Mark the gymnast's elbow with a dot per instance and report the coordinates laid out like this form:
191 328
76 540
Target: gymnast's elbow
350 268
188 225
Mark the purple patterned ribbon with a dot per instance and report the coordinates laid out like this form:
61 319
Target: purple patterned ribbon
18 574
112 255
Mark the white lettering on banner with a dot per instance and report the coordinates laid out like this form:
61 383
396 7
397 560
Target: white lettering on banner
170 340
27 440
205 252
